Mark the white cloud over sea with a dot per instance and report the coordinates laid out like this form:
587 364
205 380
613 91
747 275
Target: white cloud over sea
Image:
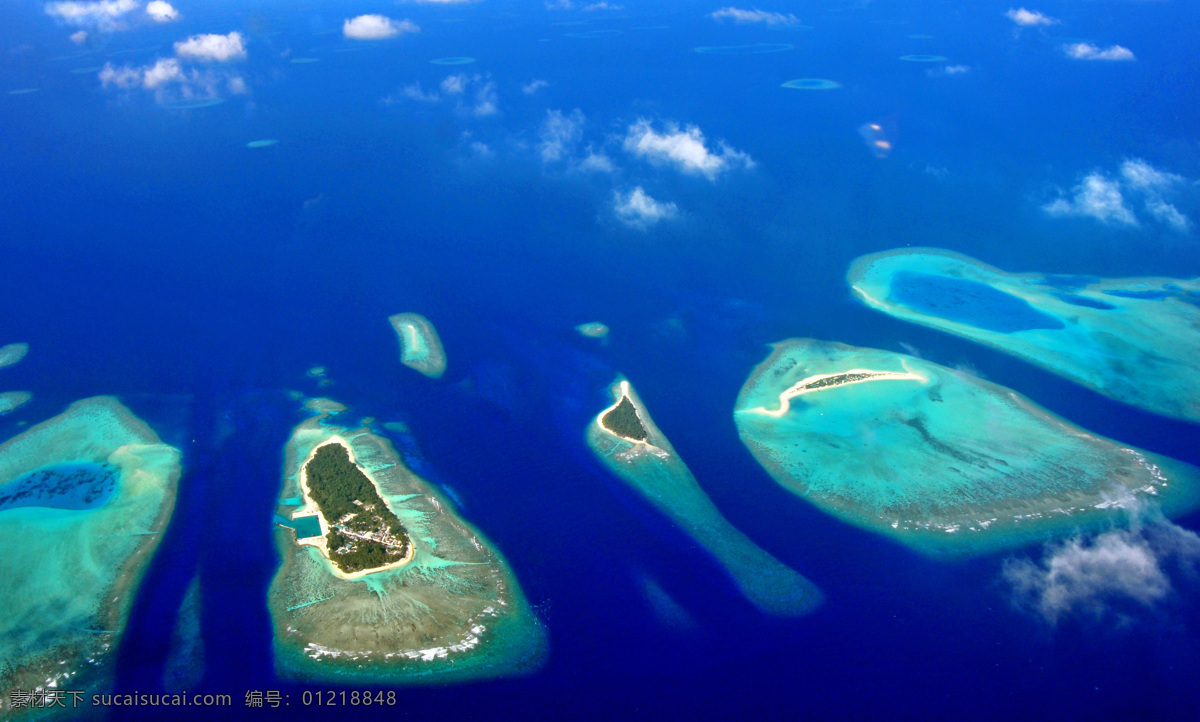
161 11
1087 51
103 15
1111 198
212 48
472 94
1107 576
683 148
376 27
637 209
754 16
1029 18
560 134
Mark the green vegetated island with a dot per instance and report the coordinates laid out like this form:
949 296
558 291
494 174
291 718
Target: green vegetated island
83 499
362 534
1132 339
394 587
420 347
938 459
625 439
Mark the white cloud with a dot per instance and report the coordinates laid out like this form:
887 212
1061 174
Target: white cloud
1167 213
485 100
596 162
602 6
171 82
1029 18
103 15
1096 196
79 37
414 92
949 71
638 210
1087 51
1100 576
1143 176
684 148
483 90
376 27
1108 198
559 134
533 86
212 48
559 4
161 12
754 16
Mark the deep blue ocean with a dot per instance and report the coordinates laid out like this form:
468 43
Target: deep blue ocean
148 253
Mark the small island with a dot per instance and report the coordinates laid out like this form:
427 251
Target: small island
391 585
361 533
84 497
1131 339
623 421
943 461
625 439
420 347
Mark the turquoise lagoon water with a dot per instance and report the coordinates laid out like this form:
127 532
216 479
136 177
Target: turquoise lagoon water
62 486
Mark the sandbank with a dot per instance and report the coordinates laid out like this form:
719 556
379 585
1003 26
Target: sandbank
653 469
420 347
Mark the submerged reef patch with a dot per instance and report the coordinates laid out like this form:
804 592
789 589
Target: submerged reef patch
743 49
83 498
811 84
12 353
650 466
13 400
452 611
420 346
938 459
1131 339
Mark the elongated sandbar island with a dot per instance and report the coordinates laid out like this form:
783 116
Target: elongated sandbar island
624 437
83 499
393 587
420 347
1131 339
938 459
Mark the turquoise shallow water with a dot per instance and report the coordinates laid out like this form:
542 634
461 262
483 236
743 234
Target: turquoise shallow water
61 486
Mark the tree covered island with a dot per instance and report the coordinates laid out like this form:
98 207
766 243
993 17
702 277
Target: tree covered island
623 421
363 533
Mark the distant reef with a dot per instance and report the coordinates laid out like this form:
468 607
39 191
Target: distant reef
83 499
1131 339
938 459
625 439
